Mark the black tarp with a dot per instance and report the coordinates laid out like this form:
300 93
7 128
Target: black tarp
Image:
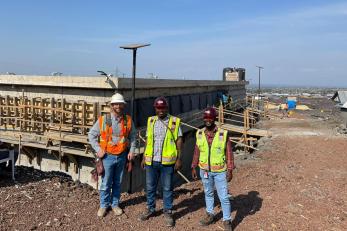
195 101
203 100
177 104
145 109
186 103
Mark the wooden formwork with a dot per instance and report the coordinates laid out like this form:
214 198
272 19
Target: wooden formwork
57 125
244 123
39 115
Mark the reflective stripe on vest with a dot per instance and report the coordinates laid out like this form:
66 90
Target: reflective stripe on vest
106 133
216 151
169 151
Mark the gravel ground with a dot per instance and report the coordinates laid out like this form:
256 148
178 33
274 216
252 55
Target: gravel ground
296 181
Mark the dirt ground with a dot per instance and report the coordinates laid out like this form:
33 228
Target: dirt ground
296 181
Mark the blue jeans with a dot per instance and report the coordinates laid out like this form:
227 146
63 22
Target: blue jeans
112 179
219 180
165 173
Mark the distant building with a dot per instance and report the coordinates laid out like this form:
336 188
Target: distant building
234 74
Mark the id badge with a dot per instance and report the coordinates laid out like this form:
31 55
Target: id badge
206 175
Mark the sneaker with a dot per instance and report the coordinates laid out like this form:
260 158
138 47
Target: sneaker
102 212
170 222
117 211
207 220
227 225
145 215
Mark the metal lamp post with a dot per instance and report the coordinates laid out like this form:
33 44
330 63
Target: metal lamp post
133 47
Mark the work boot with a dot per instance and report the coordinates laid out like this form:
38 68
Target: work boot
117 211
102 212
170 222
228 225
207 220
145 215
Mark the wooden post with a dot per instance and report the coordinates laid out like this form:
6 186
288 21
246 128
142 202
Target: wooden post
95 112
23 112
42 115
60 157
73 116
19 148
52 111
32 115
7 110
245 128
83 117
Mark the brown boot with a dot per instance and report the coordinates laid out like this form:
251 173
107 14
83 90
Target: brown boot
170 222
146 215
228 225
102 212
207 219
117 211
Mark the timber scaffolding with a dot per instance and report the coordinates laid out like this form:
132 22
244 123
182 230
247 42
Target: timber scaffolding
58 125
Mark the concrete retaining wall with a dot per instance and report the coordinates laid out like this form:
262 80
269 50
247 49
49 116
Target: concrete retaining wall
95 89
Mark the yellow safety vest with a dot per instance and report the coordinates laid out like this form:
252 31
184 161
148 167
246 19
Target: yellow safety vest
169 150
212 159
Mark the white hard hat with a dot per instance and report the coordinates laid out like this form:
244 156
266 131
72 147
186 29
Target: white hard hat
117 98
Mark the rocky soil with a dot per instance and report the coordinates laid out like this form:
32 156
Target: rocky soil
296 181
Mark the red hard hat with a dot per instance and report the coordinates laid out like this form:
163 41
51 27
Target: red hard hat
160 103
210 113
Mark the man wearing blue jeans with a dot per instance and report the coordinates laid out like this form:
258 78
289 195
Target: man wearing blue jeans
161 158
117 140
214 157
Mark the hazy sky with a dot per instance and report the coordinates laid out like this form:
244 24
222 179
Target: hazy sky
299 42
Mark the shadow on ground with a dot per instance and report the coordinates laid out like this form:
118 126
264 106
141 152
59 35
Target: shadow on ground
245 205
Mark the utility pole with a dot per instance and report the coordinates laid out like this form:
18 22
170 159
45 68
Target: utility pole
259 68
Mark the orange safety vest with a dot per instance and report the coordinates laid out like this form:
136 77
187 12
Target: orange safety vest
106 135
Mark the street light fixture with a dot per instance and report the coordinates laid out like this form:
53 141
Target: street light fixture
133 47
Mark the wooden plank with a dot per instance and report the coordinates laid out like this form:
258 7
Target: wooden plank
251 131
67 136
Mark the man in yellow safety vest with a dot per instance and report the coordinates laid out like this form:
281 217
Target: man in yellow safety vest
213 155
162 156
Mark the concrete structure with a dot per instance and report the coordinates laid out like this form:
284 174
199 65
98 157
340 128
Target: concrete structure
96 89
186 98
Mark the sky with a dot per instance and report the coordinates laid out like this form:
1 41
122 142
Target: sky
298 42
